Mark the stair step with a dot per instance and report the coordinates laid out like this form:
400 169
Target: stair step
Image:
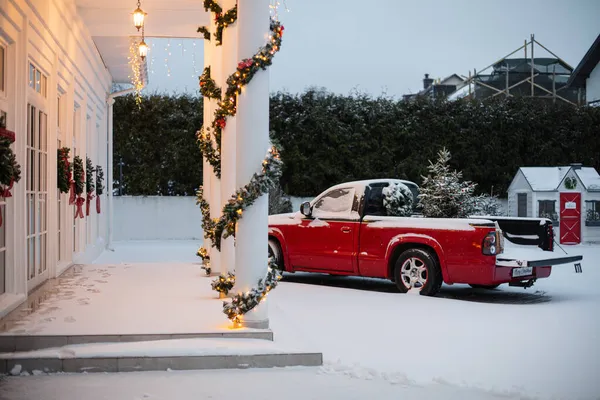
175 354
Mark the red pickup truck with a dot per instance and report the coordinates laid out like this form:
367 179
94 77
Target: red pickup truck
346 231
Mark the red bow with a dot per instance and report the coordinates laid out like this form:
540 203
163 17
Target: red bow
6 191
89 198
98 204
79 211
245 64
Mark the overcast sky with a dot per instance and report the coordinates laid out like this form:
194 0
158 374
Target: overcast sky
387 45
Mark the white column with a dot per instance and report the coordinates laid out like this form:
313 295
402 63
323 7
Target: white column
109 172
228 139
207 170
252 145
215 184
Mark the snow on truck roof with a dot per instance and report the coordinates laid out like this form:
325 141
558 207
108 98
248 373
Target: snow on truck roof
371 181
550 178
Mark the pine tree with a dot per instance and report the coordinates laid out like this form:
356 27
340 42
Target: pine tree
443 195
486 205
398 200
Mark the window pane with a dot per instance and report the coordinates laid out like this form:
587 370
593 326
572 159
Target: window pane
336 201
38 81
31 76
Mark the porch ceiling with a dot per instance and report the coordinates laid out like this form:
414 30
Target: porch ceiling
110 24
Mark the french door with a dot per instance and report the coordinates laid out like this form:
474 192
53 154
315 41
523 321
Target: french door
37 196
3 247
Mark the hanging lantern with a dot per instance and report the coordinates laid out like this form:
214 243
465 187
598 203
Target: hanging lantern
138 16
143 49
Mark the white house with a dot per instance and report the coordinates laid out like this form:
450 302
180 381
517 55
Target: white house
568 195
587 74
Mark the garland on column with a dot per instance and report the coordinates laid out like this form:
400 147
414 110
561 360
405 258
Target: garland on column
259 185
203 254
99 186
224 283
63 173
79 183
222 21
241 303
204 31
89 184
208 87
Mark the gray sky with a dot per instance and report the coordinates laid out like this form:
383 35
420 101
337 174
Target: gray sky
387 45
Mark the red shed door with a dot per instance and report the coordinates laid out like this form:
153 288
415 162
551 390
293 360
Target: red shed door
570 218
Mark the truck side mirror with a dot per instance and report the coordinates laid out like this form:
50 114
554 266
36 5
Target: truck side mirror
305 209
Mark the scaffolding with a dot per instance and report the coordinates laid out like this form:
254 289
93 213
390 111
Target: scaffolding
542 77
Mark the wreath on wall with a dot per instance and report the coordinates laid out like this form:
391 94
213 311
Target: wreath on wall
99 186
570 183
10 170
79 184
89 184
63 172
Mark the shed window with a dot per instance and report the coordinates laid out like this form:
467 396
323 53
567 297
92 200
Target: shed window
546 209
592 213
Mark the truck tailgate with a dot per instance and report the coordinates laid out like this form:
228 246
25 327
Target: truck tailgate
529 256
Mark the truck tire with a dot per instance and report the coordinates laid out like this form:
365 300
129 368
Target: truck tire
276 253
418 269
489 287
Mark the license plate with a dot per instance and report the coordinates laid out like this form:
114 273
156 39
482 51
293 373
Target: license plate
525 271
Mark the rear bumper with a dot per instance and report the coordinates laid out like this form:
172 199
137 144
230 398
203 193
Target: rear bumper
504 274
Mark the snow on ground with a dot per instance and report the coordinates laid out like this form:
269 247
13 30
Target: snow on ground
151 251
536 343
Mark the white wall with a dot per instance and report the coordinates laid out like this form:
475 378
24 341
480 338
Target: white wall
592 86
156 218
50 34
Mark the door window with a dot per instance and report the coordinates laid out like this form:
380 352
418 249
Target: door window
337 203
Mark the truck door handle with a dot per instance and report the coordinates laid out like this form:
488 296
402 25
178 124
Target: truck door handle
346 229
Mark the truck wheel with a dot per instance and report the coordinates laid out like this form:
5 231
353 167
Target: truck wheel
490 287
418 269
275 252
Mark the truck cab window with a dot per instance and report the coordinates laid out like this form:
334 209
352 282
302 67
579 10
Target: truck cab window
336 203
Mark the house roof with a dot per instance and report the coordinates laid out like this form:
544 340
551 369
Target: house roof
586 66
550 178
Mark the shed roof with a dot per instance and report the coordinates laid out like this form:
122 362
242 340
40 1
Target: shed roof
549 178
586 66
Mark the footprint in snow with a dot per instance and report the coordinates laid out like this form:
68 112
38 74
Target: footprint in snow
48 319
83 302
100 281
70 319
93 290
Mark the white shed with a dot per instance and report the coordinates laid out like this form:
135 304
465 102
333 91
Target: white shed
569 196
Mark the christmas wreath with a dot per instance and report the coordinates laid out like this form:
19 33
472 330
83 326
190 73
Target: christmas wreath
99 186
63 172
224 283
570 183
89 184
79 183
10 170
398 200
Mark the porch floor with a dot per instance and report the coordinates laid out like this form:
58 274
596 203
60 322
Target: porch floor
121 298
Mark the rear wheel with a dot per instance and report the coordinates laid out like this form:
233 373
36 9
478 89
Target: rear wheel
417 269
489 287
275 253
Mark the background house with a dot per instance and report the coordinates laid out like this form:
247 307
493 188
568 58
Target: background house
587 74
434 89
568 195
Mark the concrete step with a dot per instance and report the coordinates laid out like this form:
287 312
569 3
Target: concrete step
174 354
12 343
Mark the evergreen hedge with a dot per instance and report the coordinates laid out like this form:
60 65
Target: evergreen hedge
327 138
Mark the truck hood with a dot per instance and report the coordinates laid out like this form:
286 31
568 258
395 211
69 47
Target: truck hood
285 219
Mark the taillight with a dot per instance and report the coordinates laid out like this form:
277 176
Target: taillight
490 245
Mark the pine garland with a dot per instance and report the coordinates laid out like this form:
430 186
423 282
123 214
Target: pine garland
63 171
99 180
78 175
208 87
241 303
213 6
223 283
204 31
222 22
259 185
203 254
244 73
243 198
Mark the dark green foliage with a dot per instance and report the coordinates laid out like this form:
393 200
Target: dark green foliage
63 172
89 176
99 180
157 142
78 175
328 139
10 170
279 203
